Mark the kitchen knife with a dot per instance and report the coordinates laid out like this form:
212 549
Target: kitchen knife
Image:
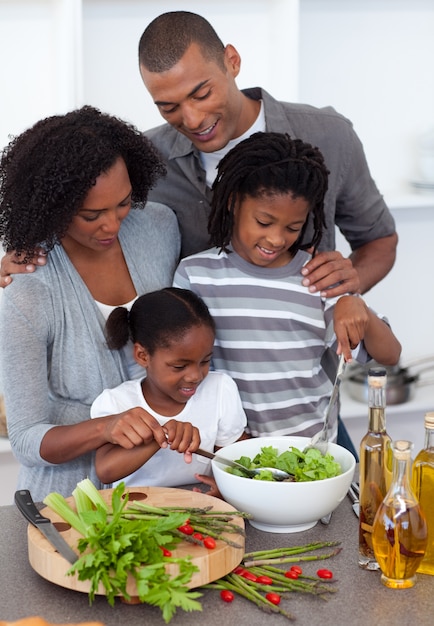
25 504
353 496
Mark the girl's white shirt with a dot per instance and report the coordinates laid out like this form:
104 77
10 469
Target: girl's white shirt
215 410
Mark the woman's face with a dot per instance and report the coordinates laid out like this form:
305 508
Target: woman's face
267 226
96 224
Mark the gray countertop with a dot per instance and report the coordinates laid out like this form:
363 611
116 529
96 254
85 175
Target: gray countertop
361 598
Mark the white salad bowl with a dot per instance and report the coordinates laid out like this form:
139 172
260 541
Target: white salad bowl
283 507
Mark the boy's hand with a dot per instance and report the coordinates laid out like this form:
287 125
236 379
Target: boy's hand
351 319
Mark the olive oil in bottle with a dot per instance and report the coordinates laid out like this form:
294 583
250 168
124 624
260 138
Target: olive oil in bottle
423 487
400 531
375 465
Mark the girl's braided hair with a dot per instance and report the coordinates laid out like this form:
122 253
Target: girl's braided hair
269 164
47 171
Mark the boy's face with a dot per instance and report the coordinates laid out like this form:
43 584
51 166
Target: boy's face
201 100
266 227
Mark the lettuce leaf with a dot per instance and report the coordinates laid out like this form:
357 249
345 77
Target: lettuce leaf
308 466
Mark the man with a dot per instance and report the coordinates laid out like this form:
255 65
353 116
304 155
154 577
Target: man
191 76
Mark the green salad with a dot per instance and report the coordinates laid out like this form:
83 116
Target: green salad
311 465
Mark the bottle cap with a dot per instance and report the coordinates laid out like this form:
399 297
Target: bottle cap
377 371
429 419
377 377
402 449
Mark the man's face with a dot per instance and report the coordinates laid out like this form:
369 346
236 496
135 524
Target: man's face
200 99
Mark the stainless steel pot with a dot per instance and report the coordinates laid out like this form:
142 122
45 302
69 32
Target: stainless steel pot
401 381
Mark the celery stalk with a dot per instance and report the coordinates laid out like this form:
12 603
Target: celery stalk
59 505
87 488
82 502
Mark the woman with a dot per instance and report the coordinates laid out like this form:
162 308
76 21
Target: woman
69 184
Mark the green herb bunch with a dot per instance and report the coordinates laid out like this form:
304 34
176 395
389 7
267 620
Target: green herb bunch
114 547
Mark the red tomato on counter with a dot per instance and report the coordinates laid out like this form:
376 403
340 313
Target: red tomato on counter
226 595
264 580
274 598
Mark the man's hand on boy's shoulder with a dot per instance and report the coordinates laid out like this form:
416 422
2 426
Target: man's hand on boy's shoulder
11 263
331 274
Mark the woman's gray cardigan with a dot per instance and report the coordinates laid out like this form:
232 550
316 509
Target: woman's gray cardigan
53 356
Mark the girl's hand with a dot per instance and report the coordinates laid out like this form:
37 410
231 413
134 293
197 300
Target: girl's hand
133 428
182 437
210 481
351 319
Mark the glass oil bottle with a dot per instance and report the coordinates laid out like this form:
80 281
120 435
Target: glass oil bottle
400 530
375 465
423 487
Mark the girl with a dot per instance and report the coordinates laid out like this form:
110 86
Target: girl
173 334
77 184
272 333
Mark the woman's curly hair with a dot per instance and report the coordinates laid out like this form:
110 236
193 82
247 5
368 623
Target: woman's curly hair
47 171
269 163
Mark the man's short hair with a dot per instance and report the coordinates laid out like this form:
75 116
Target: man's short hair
168 36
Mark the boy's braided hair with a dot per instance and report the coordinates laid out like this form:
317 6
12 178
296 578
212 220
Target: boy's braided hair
268 164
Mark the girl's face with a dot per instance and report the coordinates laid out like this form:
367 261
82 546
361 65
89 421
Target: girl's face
174 373
96 225
266 227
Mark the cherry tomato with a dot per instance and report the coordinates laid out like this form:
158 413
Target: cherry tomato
238 570
264 580
274 598
296 568
249 575
292 574
226 595
198 536
165 551
210 543
324 573
187 529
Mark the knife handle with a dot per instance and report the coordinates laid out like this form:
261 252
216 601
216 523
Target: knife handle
25 504
208 455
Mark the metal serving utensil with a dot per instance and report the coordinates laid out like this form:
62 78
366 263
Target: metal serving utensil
354 494
277 474
320 439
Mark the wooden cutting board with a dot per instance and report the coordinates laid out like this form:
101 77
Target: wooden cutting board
212 564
